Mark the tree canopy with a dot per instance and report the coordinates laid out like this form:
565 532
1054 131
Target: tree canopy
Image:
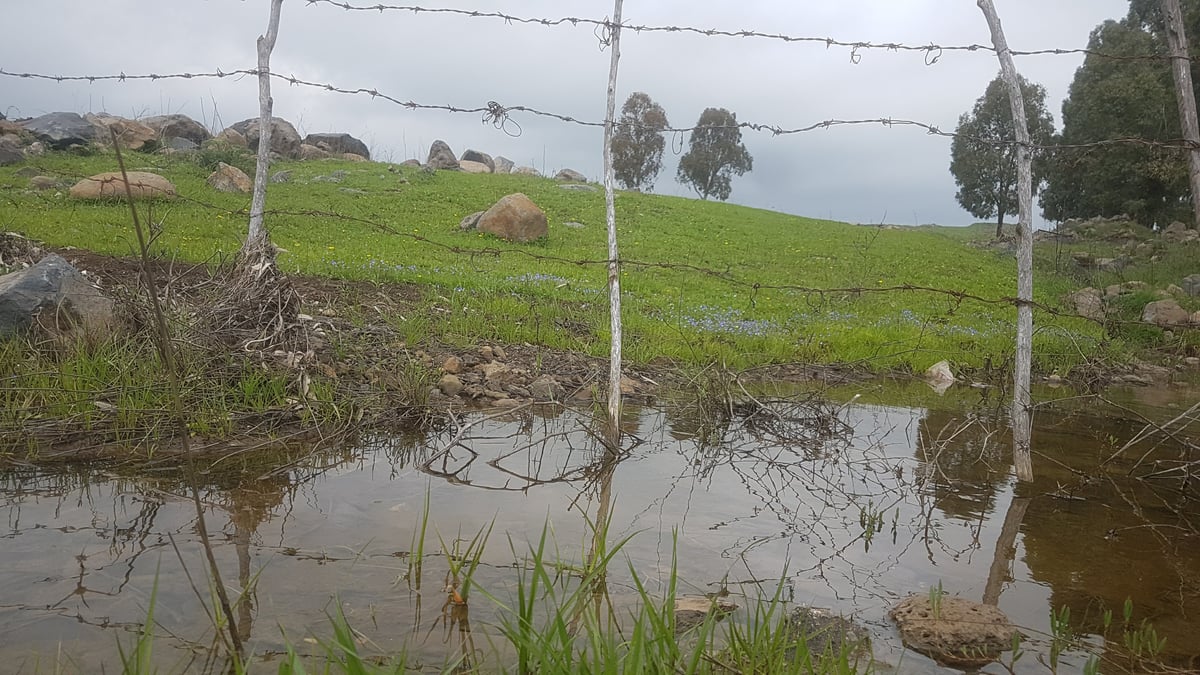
1122 98
983 158
715 154
637 145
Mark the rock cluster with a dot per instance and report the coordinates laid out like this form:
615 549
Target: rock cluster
487 378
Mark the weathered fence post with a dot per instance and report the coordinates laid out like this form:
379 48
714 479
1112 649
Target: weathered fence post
256 237
614 265
1181 69
1022 422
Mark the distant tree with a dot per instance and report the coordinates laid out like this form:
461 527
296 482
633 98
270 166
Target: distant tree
715 154
637 145
1113 98
982 157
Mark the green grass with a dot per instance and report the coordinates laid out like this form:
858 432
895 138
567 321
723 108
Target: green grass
477 287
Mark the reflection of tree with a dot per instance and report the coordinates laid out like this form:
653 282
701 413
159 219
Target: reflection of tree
965 458
250 503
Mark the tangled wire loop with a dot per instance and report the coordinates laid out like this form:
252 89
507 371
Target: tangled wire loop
497 116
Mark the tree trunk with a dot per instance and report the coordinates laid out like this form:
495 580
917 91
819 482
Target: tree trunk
256 237
614 264
1022 421
999 223
1185 95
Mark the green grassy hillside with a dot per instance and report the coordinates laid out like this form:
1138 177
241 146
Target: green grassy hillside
695 300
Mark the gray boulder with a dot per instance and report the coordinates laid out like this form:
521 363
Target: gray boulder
61 130
284 139
525 171
481 157
470 222
570 175
1191 284
468 166
180 144
51 292
10 151
338 144
131 134
230 179
503 164
177 126
441 157
1165 313
514 218
1088 303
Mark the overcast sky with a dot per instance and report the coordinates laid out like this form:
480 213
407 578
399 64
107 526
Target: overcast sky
856 174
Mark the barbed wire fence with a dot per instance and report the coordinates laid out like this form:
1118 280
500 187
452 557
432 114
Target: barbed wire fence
505 118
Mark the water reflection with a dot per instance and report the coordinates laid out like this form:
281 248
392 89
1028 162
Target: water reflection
850 506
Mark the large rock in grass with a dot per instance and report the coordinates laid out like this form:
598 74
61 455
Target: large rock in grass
338 144
10 151
177 126
1165 313
61 130
285 141
525 171
514 218
481 157
110 185
570 176
1088 303
502 164
51 293
441 157
131 134
958 632
469 166
229 179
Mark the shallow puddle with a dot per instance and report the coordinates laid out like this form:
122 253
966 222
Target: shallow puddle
850 506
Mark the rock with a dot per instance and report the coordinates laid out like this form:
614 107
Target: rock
35 149
1165 313
498 353
177 126
546 388
284 139
61 130
629 386
961 633
233 138
525 171
826 632
497 375
311 152
182 145
486 353
411 163
352 191
579 187
110 185
939 376
229 179
353 157
502 165
338 144
131 134
40 183
1175 232
506 403
450 384
281 177
1175 291
441 156
473 167
574 225
470 222
1191 284
452 365
1192 361
693 611
51 292
514 218
1088 303
570 175
10 151
1127 287
479 157
27 172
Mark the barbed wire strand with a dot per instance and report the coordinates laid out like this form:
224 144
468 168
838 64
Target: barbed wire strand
932 52
500 116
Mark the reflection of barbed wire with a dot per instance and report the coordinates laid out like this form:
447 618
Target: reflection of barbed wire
932 52
500 116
